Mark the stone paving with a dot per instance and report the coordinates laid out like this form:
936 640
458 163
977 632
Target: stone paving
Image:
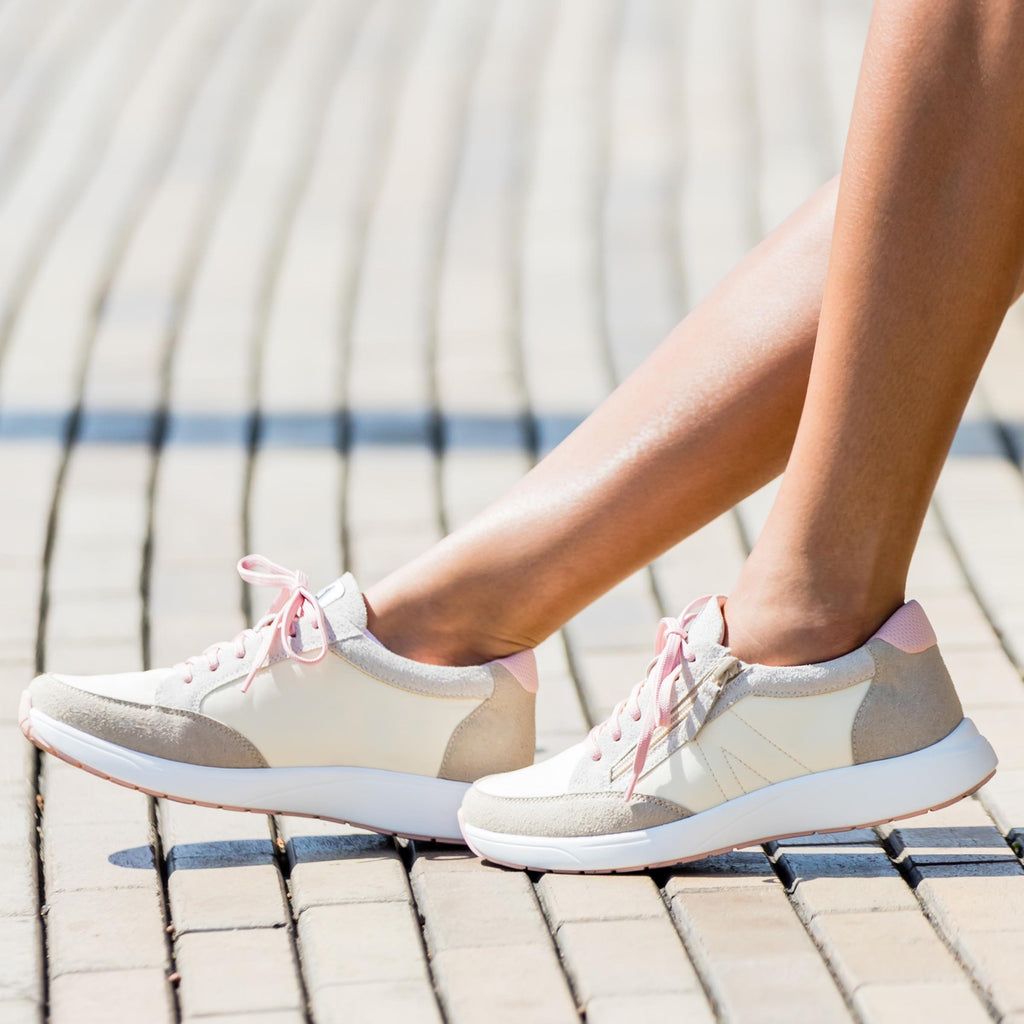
391 250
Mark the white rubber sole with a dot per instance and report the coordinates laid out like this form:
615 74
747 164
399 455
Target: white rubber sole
395 803
830 801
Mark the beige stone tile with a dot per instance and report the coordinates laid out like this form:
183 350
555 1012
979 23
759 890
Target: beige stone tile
21 963
228 895
477 908
352 867
81 856
236 972
96 997
575 898
358 943
906 1002
102 930
898 946
411 1002
610 958
753 953
476 985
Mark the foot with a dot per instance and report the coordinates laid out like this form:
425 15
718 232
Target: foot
305 713
709 753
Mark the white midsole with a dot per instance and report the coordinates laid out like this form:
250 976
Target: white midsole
827 801
415 805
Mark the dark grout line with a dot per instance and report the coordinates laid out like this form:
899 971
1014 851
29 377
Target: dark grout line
441 229
912 877
72 426
170 936
295 188
280 848
403 44
40 804
68 197
245 104
691 945
602 105
406 849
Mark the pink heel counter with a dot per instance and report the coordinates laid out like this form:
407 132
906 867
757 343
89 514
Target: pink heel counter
908 629
522 665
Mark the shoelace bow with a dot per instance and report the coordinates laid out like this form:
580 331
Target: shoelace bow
281 620
671 651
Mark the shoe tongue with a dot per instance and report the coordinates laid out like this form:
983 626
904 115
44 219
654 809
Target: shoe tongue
707 629
342 601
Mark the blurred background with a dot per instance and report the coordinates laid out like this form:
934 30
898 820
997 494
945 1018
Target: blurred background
320 278
267 266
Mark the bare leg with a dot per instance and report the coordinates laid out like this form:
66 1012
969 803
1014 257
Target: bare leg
927 249
707 419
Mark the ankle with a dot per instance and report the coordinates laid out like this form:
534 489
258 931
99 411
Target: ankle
424 631
776 629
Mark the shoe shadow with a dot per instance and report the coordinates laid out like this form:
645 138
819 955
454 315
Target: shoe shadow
913 853
234 853
231 853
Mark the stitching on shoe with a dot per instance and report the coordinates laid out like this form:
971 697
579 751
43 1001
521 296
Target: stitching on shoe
768 739
711 771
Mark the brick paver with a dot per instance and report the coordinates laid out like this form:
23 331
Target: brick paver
394 251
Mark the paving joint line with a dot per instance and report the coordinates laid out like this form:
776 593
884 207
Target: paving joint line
170 935
773 853
69 197
280 848
245 105
41 904
441 229
691 944
350 294
295 189
912 876
406 849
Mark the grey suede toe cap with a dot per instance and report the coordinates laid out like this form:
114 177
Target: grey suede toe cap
567 814
171 733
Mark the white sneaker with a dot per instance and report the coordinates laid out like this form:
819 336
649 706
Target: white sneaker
709 754
303 714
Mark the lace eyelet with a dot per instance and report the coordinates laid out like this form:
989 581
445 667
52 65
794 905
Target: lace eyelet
616 738
597 756
636 718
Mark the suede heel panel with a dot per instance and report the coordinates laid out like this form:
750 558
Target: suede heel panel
910 704
170 733
499 736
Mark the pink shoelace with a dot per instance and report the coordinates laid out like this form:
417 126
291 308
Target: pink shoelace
671 651
288 607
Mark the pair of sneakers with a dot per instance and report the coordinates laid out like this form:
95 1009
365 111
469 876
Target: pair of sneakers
306 713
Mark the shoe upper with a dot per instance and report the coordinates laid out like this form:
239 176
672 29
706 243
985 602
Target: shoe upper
310 687
705 728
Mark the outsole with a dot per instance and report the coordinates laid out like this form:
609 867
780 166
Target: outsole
678 862
25 723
